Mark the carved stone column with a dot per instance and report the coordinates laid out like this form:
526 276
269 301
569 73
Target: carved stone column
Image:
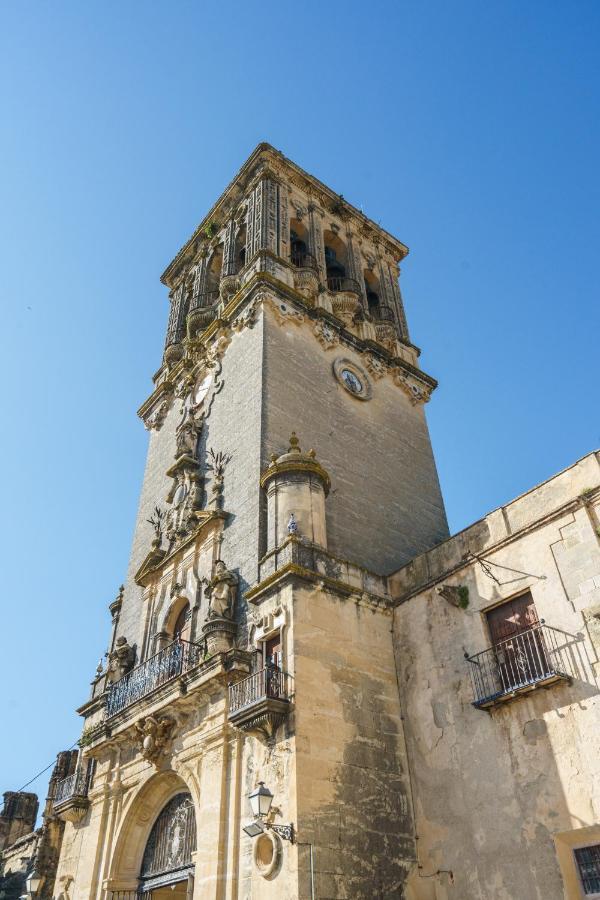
315 239
355 266
199 286
399 305
263 221
229 261
176 326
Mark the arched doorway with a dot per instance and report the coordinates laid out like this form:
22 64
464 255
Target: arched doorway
167 865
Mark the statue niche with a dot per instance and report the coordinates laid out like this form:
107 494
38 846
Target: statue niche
219 628
221 592
121 660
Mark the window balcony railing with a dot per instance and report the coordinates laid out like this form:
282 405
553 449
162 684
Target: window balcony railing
382 314
534 658
70 800
76 785
338 284
164 666
304 261
260 702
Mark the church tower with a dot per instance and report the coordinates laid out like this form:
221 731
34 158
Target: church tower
245 737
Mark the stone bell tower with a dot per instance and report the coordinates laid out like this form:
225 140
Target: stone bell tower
257 579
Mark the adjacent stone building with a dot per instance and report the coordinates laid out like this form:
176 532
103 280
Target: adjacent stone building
279 716
29 855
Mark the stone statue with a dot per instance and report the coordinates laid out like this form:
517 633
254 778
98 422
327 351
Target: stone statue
292 525
153 736
187 438
221 592
121 660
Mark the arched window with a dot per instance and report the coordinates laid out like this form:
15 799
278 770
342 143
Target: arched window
181 628
168 855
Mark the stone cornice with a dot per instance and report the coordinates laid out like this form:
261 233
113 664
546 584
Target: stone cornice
291 571
276 164
470 559
249 292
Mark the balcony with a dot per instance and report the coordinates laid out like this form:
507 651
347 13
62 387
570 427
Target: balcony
166 665
538 657
304 261
340 284
70 800
260 702
382 313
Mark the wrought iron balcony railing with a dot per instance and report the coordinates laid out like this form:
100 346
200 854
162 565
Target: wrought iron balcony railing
170 662
260 702
76 785
268 683
304 261
534 658
338 283
382 313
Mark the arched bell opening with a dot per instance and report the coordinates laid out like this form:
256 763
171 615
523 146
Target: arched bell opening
300 254
336 264
213 278
378 311
240 248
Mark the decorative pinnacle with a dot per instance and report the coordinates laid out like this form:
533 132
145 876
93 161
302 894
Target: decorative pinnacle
294 443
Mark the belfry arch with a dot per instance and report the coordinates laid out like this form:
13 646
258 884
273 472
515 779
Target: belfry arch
154 853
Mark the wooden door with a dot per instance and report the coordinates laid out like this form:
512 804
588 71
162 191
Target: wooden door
272 651
518 642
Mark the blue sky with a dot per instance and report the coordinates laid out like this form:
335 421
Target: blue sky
470 130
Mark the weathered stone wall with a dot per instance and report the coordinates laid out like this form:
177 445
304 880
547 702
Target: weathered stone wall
353 789
499 793
385 505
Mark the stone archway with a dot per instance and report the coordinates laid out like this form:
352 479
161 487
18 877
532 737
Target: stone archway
168 856
134 834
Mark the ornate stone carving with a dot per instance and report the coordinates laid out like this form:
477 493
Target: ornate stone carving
416 391
154 736
326 334
156 416
376 366
221 591
217 464
121 660
285 313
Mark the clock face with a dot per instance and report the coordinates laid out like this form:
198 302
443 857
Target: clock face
352 381
180 495
202 390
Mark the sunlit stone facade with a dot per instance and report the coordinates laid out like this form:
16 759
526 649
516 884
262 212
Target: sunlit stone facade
260 639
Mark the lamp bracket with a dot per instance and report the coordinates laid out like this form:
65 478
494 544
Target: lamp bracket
284 831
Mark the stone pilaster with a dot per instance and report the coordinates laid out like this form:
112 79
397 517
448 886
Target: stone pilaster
229 261
263 221
355 267
315 239
177 314
398 304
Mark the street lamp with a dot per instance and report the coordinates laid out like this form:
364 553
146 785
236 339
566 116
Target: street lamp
33 882
260 802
